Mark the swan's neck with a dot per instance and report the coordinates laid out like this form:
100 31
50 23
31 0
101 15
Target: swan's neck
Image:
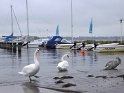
119 60
36 59
63 58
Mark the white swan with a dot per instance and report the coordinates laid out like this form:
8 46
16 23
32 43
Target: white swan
113 64
31 69
62 66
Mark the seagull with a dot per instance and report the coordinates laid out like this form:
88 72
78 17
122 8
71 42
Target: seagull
113 64
31 69
62 66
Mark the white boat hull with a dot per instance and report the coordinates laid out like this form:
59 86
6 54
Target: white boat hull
68 46
37 43
63 46
33 45
109 48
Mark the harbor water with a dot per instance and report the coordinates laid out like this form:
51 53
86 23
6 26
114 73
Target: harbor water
87 70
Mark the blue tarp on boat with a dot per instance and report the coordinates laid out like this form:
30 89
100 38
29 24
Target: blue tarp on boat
56 40
9 38
53 41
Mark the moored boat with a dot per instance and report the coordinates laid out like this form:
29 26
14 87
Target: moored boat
58 42
37 43
113 47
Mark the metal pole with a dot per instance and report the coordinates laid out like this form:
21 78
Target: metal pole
11 19
27 17
71 22
121 31
12 26
27 22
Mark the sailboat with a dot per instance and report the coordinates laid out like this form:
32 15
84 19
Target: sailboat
57 41
10 37
65 43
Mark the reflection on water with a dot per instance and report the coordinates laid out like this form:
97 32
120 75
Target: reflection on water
30 87
12 63
92 57
53 54
64 73
87 56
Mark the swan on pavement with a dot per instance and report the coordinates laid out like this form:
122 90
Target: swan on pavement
31 69
113 64
63 65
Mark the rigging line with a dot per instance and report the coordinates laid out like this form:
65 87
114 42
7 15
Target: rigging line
17 22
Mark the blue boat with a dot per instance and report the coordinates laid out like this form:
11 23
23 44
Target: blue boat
54 41
9 38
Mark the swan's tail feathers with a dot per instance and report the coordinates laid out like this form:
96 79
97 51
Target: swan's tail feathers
22 73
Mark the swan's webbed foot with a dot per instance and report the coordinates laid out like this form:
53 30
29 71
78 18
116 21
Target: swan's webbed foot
30 78
36 76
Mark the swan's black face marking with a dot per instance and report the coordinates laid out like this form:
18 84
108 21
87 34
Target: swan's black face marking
118 59
38 50
68 56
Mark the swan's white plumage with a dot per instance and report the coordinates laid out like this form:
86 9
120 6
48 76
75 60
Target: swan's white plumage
63 65
31 69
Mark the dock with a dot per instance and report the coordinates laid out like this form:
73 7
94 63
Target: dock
14 46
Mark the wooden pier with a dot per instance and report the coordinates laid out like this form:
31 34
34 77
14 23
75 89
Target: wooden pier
14 46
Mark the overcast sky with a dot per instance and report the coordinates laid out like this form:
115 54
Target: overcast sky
45 15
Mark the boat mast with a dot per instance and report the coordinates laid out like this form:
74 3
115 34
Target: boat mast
27 23
121 39
71 23
27 19
11 19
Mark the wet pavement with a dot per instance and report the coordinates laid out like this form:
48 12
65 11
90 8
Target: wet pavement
86 69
